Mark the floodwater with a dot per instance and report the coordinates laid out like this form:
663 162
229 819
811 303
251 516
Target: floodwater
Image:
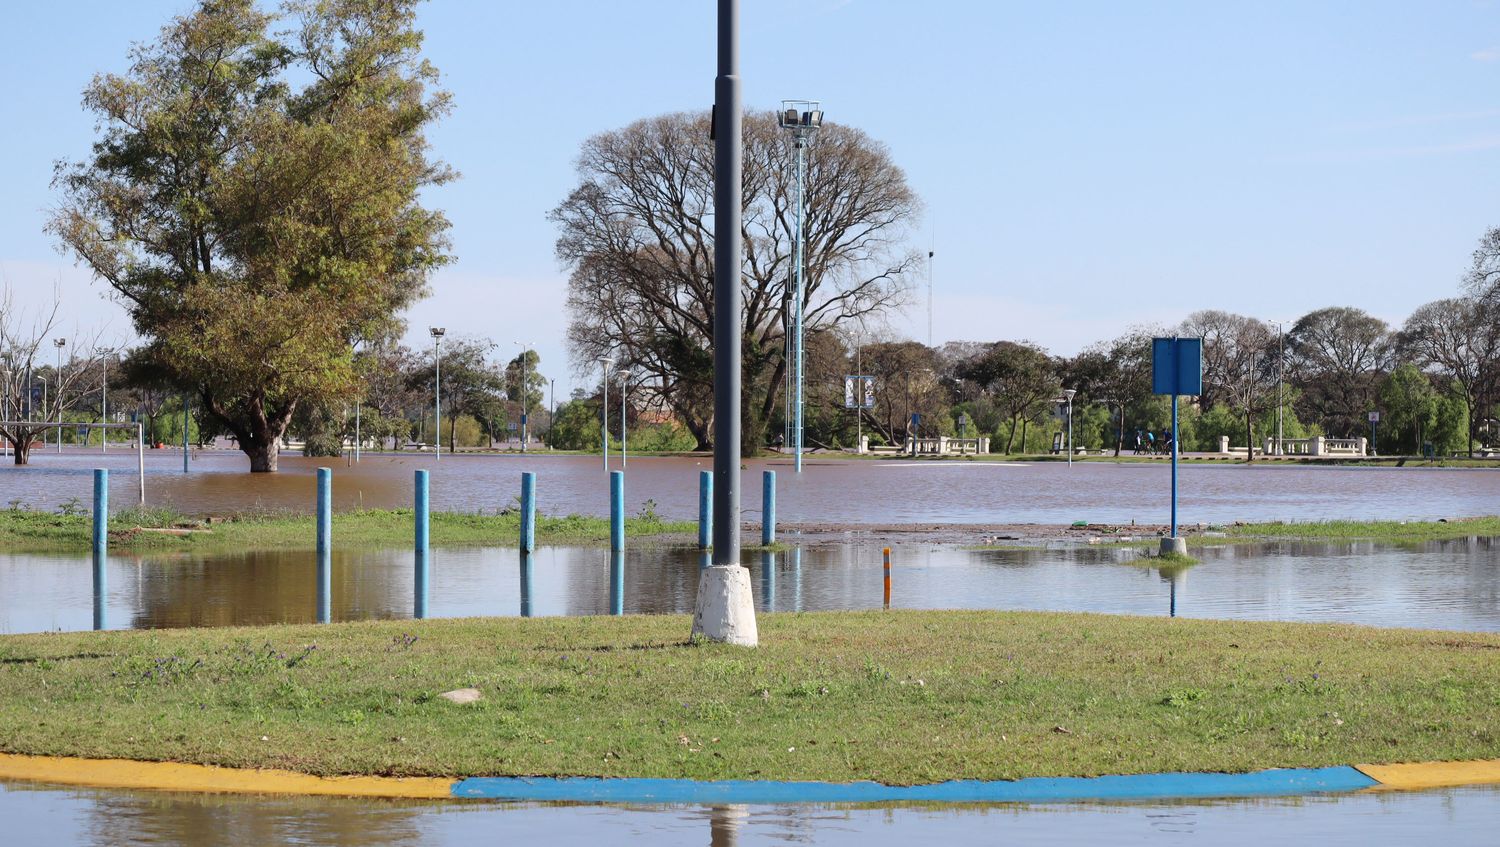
828 490
1440 585
44 815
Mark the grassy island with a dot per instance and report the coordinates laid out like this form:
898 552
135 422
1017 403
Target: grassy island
157 529
900 697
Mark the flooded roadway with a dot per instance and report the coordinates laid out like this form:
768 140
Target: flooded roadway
1439 585
835 491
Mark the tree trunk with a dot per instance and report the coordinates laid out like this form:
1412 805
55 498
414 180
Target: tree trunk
1249 438
21 449
263 455
1120 433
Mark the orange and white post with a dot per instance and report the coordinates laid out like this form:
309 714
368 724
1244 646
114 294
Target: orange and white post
887 552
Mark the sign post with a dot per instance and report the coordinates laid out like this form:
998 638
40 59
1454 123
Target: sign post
1176 369
1374 425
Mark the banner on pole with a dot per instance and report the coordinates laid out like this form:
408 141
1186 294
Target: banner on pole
1177 366
859 392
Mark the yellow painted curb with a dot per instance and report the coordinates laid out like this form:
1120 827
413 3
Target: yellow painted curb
172 776
1417 775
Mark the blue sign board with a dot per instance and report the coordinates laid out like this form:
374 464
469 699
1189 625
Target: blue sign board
1177 366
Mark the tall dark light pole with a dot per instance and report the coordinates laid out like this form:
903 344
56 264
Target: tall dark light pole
725 608
728 256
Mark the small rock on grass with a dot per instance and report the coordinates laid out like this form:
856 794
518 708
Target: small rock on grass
461 695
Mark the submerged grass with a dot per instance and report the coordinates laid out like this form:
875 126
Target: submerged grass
900 697
25 530
1378 530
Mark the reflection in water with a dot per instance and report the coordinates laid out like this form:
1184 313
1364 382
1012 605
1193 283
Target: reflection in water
724 825
99 564
525 568
830 491
617 582
50 815
768 581
1446 584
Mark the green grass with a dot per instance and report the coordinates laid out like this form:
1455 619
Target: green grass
900 697
1378 530
33 531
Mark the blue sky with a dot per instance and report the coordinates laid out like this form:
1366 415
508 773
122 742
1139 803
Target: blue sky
1085 166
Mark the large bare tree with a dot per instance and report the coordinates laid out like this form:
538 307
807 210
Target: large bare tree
637 234
1337 355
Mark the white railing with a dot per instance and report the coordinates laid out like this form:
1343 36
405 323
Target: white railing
1318 446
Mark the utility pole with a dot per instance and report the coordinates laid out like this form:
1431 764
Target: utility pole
525 346
104 400
725 609
437 333
59 343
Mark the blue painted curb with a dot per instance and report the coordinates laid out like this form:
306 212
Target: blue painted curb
1032 790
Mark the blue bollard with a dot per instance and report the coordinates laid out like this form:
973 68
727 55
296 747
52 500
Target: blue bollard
617 510
525 584
617 581
419 560
767 581
705 509
528 513
101 544
767 508
325 538
797 579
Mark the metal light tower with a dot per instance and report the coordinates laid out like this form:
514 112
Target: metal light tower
1068 393
604 415
59 343
801 118
525 347
437 334
1280 375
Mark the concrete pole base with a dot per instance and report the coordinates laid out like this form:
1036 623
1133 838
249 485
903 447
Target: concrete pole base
1174 545
725 610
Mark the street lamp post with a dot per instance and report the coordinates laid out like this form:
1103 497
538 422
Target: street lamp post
1068 393
59 343
624 405
525 346
552 413
437 334
358 402
604 415
104 398
1280 371
801 118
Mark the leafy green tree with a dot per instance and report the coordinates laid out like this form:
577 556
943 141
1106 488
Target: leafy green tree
1450 426
254 200
1020 376
536 384
576 426
1409 407
471 385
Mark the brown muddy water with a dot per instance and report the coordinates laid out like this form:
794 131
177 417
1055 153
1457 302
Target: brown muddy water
828 491
48 815
1440 585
